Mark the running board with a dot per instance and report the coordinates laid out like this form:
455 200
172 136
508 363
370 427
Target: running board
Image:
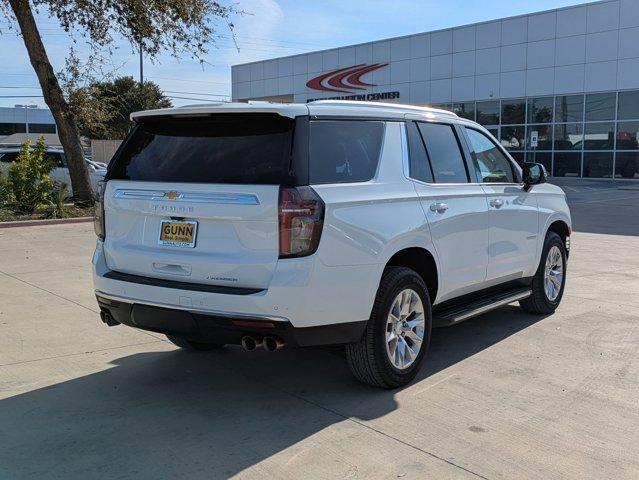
453 315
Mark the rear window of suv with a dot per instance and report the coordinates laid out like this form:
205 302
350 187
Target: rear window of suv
225 148
343 151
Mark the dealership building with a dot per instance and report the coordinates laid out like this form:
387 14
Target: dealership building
567 77
26 122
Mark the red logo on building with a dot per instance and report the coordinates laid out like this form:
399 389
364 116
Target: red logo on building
344 80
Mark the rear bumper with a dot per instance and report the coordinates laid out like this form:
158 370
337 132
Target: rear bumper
205 327
303 292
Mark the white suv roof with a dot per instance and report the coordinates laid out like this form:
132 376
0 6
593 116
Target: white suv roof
318 107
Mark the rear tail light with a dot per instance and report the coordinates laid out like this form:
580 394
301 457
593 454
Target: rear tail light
301 214
98 211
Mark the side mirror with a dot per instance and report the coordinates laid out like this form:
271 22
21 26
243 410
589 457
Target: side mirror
533 174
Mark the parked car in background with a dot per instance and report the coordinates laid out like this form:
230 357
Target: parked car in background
354 223
60 171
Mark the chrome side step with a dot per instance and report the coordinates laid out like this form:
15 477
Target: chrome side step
453 315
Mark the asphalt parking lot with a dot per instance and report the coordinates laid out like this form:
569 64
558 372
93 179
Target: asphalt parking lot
505 395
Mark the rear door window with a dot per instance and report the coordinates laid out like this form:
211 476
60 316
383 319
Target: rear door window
344 150
224 148
444 153
418 160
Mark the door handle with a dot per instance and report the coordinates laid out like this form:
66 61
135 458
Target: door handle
438 207
496 202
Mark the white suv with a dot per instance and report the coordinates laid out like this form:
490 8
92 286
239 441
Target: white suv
335 222
60 170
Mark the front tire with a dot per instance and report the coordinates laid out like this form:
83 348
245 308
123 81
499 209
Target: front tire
193 346
550 279
397 335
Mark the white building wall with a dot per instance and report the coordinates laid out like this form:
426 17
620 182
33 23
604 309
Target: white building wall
586 48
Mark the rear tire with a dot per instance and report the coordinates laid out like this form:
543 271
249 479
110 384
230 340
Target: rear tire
541 301
193 346
373 359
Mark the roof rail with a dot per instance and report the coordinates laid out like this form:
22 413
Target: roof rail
209 104
382 105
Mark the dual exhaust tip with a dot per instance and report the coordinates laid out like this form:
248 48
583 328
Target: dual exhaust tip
270 344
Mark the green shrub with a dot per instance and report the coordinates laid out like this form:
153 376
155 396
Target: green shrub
6 195
28 180
6 198
57 207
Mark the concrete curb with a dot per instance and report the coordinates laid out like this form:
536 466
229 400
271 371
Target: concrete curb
37 223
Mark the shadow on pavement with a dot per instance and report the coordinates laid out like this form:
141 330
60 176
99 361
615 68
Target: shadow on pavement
206 415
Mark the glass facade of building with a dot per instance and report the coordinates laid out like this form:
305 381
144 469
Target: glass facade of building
591 135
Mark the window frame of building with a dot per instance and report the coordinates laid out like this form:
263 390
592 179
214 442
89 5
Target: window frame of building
518 114
574 112
530 102
580 109
568 153
479 112
622 100
464 105
520 139
591 155
607 113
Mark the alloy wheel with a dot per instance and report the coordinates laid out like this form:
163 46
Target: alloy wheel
405 329
554 273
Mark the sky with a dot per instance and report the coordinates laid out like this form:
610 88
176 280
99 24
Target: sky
267 29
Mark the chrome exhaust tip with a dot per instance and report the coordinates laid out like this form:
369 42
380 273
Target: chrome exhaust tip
272 344
249 343
108 319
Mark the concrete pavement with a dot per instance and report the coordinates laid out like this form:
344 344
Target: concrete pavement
505 395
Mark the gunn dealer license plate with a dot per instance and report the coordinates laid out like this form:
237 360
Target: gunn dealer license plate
178 234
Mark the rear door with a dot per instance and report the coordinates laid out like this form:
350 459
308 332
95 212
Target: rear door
455 208
195 199
513 212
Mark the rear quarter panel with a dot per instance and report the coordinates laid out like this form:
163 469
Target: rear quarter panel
367 223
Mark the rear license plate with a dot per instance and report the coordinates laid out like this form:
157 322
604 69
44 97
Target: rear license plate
178 234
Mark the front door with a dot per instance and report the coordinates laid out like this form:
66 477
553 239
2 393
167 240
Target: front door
513 212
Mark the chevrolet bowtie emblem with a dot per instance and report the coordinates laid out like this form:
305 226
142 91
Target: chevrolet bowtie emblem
172 195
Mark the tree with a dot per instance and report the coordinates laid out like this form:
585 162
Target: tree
177 26
103 109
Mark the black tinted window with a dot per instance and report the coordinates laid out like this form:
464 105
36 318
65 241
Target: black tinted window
41 128
419 166
443 152
224 148
344 150
8 157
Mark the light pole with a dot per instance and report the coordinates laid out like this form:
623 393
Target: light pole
26 114
141 63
